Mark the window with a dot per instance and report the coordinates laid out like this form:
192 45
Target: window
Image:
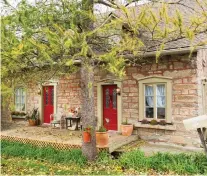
20 97
155 101
155 98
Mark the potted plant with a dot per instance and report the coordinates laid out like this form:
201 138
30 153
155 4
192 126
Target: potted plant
102 137
126 128
87 134
33 117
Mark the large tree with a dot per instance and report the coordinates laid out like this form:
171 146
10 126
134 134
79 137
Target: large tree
51 38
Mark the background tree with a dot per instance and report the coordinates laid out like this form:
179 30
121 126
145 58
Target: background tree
54 38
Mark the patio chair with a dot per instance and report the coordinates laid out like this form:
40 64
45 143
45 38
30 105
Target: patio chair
57 119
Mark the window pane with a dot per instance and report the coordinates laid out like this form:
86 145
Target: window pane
149 112
20 99
161 95
107 98
114 98
161 90
160 101
149 101
149 90
161 113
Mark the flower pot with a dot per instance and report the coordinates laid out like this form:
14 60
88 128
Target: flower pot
102 139
32 122
126 130
86 137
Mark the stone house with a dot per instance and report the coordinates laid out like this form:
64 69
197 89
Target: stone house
172 90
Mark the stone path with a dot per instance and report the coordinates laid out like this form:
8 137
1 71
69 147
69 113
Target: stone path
150 149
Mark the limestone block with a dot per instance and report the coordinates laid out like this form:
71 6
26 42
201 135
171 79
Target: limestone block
186 98
179 73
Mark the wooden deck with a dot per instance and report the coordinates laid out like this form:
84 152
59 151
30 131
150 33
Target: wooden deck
61 139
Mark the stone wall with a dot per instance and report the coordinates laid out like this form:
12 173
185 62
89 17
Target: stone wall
185 103
201 75
68 92
185 98
33 99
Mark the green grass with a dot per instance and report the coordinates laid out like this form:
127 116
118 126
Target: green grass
48 153
164 162
18 158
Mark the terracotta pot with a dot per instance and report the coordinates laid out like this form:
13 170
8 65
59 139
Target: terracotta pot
126 130
32 122
102 139
86 137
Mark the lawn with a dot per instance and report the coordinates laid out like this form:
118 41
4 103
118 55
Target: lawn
24 159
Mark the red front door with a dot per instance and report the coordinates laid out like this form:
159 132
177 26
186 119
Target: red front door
110 107
48 102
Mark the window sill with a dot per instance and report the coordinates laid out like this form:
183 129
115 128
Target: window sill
161 127
18 117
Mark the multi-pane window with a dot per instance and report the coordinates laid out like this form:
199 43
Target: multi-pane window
155 101
155 98
20 97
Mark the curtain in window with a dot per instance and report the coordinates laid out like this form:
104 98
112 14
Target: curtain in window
20 99
160 95
149 96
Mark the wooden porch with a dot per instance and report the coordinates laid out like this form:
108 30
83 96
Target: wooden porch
59 138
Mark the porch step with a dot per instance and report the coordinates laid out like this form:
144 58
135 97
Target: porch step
117 141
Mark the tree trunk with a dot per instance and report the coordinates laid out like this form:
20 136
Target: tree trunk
88 110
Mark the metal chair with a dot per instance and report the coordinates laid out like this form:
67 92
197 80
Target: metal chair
57 119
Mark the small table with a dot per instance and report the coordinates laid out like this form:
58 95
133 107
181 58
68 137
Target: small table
74 119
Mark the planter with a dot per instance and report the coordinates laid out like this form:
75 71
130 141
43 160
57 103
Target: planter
32 122
86 137
126 130
18 116
102 139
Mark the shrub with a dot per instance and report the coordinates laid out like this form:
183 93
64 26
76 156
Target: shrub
153 122
163 122
22 113
102 129
145 121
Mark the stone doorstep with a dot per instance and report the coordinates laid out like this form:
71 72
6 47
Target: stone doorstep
166 127
120 140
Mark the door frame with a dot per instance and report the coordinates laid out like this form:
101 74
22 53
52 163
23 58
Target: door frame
50 83
204 89
100 101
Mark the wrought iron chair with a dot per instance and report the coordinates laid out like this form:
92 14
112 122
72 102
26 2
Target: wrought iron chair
57 119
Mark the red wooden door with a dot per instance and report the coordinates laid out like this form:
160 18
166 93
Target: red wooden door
48 102
110 107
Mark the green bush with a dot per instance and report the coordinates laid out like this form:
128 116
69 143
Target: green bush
47 153
164 162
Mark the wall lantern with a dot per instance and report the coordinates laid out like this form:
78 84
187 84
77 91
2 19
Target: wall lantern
118 91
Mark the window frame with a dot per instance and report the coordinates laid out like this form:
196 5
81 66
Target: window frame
20 87
156 80
155 107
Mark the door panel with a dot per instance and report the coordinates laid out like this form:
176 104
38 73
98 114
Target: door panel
48 102
110 107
